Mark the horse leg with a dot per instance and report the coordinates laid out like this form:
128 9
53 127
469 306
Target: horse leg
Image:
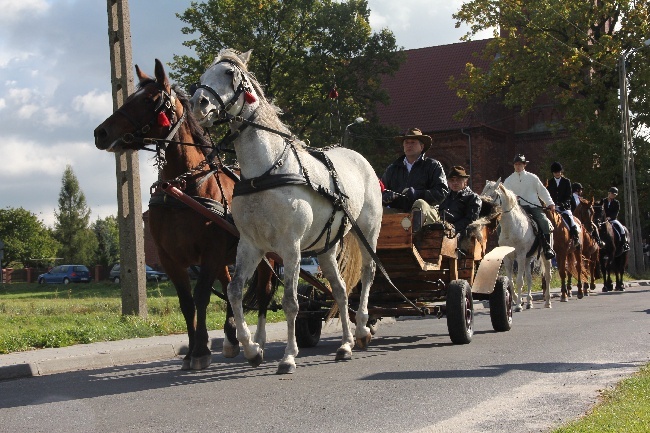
247 259
291 260
528 273
331 273
201 354
264 291
362 333
508 263
230 347
561 267
546 269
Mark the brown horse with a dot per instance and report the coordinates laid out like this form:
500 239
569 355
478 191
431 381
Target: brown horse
568 254
584 211
182 236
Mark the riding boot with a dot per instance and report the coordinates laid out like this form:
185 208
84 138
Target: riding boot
548 251
575 235
622 246
596 236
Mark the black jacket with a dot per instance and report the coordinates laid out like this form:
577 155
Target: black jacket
427 178
461 208
611 208
561 194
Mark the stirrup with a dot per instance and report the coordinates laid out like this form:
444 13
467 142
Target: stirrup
549 254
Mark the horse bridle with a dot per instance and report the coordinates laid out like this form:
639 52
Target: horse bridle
222 113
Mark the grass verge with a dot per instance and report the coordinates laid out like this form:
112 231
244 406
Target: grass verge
626 408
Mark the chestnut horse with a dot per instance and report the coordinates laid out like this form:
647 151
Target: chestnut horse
568 254
182 236
584 211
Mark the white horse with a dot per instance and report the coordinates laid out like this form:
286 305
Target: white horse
292 215
517 231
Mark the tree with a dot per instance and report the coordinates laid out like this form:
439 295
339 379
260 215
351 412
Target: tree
27 240
71 228
107 232
568 52
305 52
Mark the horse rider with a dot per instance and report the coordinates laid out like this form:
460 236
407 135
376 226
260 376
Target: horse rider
576 189
462 206
560 189
611 206
414 181
529 191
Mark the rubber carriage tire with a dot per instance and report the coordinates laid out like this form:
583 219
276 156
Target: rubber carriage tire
460 312
308 329
501 305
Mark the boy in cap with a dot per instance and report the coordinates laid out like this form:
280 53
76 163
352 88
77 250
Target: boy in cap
560 189
462 205
530 190
414 181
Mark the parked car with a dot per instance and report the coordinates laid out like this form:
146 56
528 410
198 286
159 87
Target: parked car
64 274
152 274
310 264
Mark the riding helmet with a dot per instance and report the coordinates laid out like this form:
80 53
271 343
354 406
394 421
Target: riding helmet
613 190
576 186
556 167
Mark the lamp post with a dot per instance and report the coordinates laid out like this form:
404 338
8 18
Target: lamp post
357 121
635 262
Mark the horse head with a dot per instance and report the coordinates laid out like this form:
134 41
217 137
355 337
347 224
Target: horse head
225 89
585 211
491 189
130 126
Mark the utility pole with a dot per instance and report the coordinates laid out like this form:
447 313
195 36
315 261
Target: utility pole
127 169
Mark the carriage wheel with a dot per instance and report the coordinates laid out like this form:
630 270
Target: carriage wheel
460 312
308 328
501 305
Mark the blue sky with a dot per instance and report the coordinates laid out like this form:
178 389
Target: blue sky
55 87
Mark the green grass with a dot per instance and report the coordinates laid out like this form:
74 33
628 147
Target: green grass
626 408
36 316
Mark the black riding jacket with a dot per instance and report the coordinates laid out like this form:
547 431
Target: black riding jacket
611 208
461 208
561 194
427 178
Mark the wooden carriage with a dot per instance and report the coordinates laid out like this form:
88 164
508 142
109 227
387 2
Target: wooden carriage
433 277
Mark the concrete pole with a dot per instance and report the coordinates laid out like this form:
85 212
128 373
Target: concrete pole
127 169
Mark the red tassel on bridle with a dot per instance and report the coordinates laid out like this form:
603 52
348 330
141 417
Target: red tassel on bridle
163 120
249 97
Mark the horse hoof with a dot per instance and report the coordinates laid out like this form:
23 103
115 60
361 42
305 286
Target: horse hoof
343 355
256 360
517 308
568 294
201 362
286 368
362 342
548 305
529 306
619 289
230 351
564 298
186 364
580 294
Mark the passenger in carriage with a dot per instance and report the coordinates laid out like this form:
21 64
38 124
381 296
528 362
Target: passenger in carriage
414 181
529 190
462 206
611 206
560 189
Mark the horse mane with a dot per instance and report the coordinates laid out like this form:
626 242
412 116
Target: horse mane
268 114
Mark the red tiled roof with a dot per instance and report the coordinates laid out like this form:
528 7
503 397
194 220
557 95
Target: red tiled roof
419 94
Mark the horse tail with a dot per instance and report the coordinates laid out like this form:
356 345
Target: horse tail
349 262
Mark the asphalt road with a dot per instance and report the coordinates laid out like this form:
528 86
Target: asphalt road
547 370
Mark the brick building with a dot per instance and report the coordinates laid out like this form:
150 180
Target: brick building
484 142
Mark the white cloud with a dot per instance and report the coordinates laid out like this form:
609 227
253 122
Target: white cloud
55 117
15 9
3 103
95 104
27 111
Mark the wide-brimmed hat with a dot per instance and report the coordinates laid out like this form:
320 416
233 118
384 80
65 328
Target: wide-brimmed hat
613 190
520 158
556 167
416 134
576 186
457 171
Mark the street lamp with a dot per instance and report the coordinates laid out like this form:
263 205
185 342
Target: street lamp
357 121
629 174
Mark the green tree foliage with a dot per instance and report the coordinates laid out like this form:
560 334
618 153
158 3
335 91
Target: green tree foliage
107 232
71 228
567 51
27 240
302 50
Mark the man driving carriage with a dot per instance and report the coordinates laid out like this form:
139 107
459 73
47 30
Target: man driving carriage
560 189
415 181
462 206
529 191
611 206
